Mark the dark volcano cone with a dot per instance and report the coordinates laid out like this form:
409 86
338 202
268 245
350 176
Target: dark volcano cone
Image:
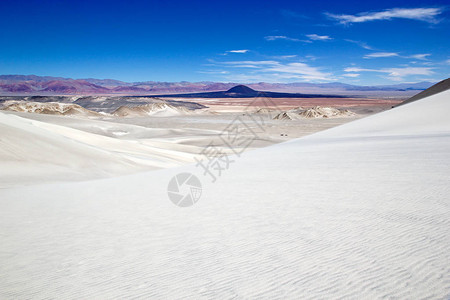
242 90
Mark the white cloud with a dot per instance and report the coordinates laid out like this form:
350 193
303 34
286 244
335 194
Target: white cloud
300 70
238 51
421 14
311 57
280 37
447 61
250 63
214 72
395 73
353 75
361 44
316 37
381 54
280 70
420 56
402 72
355 69
284 56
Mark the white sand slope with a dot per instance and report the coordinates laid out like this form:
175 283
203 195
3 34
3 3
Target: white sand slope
32 151
360 211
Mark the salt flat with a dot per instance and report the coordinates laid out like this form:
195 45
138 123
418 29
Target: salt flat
357 211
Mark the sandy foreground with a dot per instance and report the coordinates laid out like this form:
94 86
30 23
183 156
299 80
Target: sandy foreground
358 211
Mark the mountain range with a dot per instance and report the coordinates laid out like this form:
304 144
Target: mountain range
48 85
242 91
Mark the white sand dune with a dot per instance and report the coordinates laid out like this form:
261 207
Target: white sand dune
32 151
109 126
153 109
360 211
51 108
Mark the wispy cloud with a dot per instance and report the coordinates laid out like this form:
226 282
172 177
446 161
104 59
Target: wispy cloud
281 70
214 72
300 70
356 69
396 74
425 14
361 44
282 37
399 73
311 37
381 54
250 63
420 56
311 57
238 51
352 75
316 37
284 56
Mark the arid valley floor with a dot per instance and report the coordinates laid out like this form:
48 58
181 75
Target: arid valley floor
150 133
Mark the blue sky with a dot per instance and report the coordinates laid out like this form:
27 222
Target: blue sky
356 42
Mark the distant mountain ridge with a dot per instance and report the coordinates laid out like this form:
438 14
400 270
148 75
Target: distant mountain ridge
48 85
242 91
435 89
